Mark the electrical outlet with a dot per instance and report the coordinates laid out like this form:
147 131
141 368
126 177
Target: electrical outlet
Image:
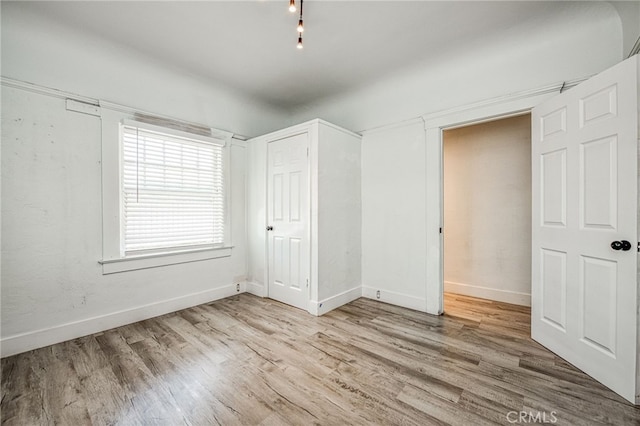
378 294
238 287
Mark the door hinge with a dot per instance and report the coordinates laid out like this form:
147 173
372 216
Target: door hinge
307 152
307 282
638 247
441 230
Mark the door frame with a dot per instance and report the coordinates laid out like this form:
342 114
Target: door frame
434 126
498 118
301 129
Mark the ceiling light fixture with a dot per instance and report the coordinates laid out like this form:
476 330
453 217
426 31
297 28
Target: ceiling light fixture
300 23
292 6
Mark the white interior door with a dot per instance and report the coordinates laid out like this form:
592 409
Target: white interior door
585 175
288 220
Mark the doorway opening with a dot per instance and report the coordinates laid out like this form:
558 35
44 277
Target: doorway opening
487 220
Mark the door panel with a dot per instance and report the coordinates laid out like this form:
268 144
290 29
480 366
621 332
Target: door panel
599 106
295 207
287 216
553 123
277 191
554 188
584 293
598 183
554 288
295 249
598 284
276 272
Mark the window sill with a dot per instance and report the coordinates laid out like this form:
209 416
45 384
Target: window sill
134 263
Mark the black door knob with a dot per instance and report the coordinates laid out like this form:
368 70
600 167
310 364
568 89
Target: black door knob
270 228
623 245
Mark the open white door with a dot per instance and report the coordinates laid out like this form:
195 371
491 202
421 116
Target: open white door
585 216
288 220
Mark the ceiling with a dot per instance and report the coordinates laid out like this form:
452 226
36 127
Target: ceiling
251 45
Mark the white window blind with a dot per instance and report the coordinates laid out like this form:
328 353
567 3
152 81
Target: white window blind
172 191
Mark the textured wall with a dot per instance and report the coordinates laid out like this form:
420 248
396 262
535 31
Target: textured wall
52 285
393 216
339 212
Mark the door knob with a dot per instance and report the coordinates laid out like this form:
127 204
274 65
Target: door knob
270 228
623 245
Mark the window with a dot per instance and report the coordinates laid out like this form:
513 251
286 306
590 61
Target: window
172 191
165 191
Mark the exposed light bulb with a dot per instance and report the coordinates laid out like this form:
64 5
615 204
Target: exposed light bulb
300 26
299 46
292 6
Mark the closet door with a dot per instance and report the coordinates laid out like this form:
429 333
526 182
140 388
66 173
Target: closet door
288 220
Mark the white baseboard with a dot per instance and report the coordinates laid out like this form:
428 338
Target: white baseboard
333 302
23 342
506 296
394 298
256 289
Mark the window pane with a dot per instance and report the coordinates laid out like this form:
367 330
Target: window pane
172 191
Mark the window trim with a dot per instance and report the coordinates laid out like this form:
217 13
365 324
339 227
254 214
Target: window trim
145 261
113 258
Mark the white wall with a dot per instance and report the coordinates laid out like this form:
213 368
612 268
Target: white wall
339 216
571 47
47 281
393 215
487 210
42 51
401 176
52 285
256 216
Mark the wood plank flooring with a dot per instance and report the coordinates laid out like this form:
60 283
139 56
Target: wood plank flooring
251 361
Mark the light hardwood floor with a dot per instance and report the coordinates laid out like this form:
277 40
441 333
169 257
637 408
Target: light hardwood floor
246 360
